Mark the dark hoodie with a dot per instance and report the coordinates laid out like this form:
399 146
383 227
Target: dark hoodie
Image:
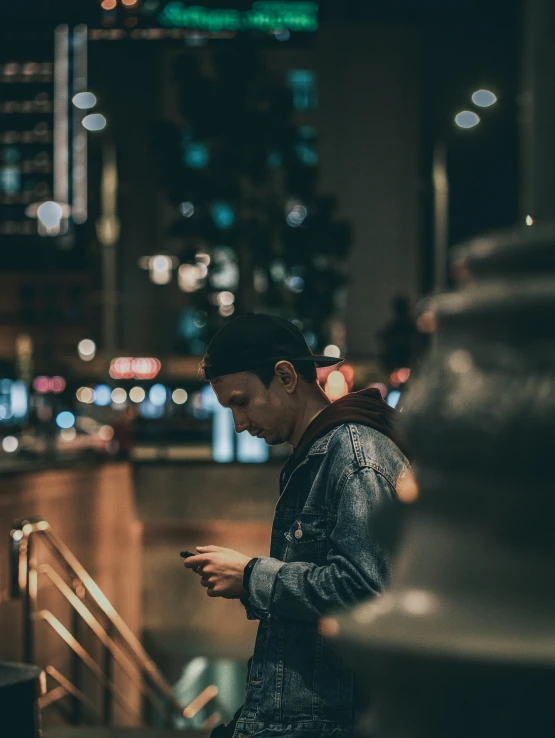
366 408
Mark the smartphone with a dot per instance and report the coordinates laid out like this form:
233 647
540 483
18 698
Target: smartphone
186 554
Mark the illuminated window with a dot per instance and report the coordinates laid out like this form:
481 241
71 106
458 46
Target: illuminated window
303 84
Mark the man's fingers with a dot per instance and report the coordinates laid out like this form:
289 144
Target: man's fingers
208 549
193 562
212 593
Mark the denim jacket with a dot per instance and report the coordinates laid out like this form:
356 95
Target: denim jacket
322 557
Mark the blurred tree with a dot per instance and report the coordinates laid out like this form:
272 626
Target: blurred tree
242 177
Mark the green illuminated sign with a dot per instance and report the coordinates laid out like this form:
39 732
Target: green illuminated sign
266 15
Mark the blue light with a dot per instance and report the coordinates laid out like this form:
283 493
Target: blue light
284 35
10 180
208 400
188 328
222 214
223 430
295 284
197 155
20 399
306 154
484 98
311 338
308 133
275 160
94 122
467 119
102 395
301 77
393 398
10 154
158 395
148 410
65 419
303 84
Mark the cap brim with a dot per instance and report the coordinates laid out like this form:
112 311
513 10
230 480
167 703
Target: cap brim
323 360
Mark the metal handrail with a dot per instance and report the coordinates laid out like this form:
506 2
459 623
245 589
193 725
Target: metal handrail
129 651
79 606
64 688
85 658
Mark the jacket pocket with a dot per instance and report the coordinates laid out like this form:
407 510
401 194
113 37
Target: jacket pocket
306 539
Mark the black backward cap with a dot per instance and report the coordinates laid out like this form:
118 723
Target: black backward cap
255 341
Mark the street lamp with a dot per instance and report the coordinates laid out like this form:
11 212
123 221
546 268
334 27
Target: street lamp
466 119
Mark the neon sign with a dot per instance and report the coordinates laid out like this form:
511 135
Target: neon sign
265 15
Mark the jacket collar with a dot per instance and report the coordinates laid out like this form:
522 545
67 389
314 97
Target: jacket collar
320 446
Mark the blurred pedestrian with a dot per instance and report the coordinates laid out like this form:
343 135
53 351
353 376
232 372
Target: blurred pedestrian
399 339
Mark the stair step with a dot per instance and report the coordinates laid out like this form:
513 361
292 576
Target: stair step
122 733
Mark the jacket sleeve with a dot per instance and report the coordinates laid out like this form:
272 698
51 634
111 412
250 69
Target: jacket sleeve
356 566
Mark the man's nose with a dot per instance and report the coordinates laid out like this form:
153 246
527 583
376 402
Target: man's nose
241 423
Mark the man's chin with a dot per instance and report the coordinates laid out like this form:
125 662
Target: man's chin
273 440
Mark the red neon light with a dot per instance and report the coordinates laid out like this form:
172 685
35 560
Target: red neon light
127 367
41 385
57 385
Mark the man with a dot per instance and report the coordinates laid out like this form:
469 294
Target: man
344 469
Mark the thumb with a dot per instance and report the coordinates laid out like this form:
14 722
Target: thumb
207 549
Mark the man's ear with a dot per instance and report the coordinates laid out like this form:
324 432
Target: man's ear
287 375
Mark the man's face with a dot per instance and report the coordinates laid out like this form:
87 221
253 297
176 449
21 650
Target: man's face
264 412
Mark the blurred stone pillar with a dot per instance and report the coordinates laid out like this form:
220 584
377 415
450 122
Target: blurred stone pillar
463 643
538 111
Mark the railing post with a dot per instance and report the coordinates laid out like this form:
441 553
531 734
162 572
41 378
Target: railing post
146 707
169 716
30 600
108 668
76 708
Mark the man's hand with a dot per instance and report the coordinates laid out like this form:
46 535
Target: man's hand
221 571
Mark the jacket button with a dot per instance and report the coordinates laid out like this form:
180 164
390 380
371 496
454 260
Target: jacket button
298 534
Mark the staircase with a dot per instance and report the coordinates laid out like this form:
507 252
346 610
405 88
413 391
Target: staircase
108 679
